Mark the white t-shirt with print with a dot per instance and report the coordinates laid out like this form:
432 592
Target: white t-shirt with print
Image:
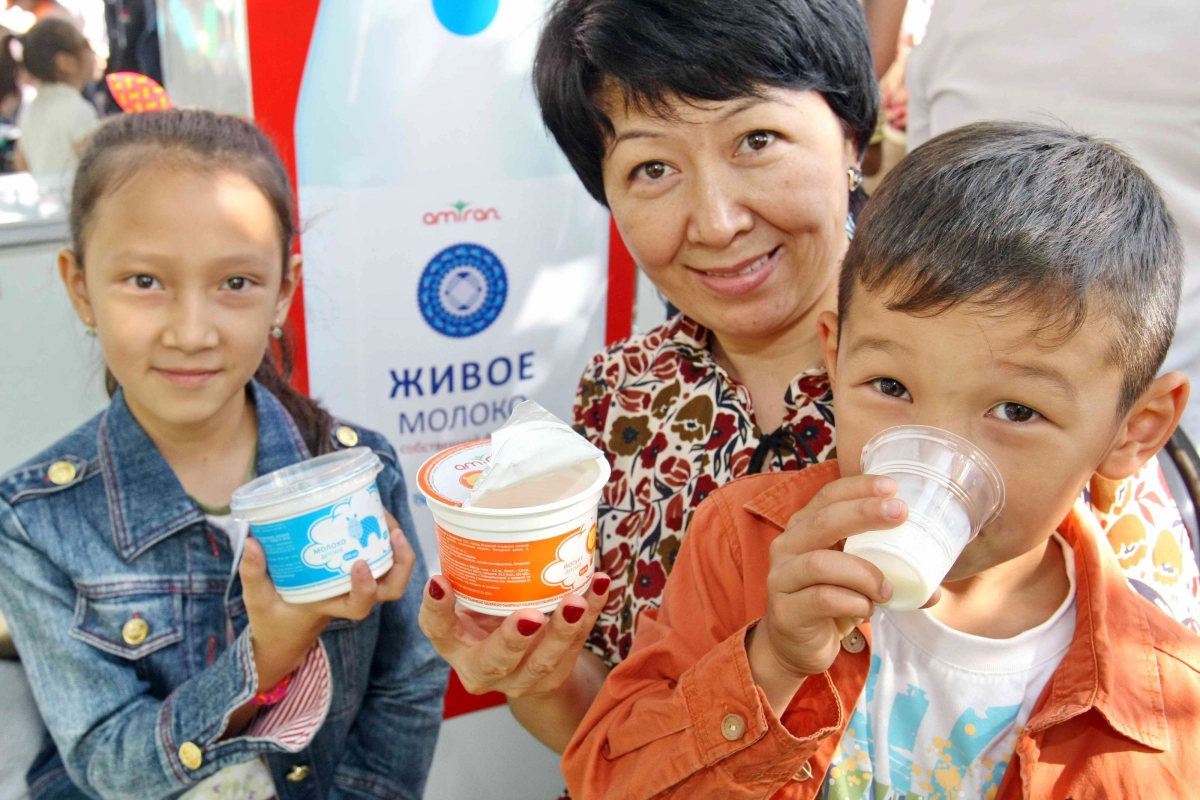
942 710
54 126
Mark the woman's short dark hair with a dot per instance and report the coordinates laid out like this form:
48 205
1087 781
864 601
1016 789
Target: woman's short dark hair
711 50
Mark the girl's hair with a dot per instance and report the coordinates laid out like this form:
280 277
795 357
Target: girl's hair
9 66
205 142
44 42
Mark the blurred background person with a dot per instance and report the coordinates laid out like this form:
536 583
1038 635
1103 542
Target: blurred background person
56 123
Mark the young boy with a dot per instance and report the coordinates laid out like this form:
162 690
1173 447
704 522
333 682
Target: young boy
1016 285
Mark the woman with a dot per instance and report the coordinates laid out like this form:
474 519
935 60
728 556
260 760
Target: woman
725 138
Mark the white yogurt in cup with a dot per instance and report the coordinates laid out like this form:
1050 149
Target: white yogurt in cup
527 546
315 519
953 490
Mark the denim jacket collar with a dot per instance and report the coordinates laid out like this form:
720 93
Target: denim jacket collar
146 501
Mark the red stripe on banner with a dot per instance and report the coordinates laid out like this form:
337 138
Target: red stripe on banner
622 287
279 34
460 701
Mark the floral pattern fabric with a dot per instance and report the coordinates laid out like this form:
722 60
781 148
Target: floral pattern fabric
675 426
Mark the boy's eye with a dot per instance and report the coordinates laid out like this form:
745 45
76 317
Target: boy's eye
237 283
756 140
652 170
143 281
1014 412
891 387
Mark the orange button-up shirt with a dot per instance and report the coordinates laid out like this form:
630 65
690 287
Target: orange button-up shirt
682 716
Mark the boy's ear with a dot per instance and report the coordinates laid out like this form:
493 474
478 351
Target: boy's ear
1147 426
73 280
827 329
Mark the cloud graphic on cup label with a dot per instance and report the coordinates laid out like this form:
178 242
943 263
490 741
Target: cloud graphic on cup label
353 531
570 569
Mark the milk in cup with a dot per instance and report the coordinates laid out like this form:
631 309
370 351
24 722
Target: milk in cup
315 519
952 490
515 515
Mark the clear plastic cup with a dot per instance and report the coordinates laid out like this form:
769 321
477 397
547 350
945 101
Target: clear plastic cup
315 519
953 490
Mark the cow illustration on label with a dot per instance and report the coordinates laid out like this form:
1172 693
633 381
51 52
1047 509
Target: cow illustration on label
351 531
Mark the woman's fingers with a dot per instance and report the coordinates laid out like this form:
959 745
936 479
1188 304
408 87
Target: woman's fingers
552 658
438 618
487 665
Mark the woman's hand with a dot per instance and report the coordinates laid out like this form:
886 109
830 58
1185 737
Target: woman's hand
816 594
521 655
283 632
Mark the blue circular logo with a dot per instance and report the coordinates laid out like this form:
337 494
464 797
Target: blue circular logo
466 17
462 290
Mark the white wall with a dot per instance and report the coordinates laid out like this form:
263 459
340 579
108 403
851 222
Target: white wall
51 374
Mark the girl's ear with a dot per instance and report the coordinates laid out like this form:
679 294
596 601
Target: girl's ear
1147 426
76 286
827 329
287 289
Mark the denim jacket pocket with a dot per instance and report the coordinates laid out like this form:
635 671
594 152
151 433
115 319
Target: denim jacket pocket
130 626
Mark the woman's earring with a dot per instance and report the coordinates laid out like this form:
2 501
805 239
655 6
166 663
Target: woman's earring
855 175
277 332
89 328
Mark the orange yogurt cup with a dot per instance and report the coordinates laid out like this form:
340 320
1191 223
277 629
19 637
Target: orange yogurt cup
529 546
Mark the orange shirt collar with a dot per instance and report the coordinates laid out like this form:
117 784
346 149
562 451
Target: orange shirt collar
1111 665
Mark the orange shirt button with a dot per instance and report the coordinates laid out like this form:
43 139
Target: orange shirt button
804 773
733 727
854 642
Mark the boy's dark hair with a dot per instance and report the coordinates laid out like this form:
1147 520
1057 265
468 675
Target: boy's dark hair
43 43
657 50
205 142
1008 213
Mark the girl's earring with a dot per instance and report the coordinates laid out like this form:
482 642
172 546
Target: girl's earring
856 177
90 329
277 332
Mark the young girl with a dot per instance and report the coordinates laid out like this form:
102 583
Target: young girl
157 663
55 125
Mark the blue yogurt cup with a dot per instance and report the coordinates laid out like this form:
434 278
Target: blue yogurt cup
315 519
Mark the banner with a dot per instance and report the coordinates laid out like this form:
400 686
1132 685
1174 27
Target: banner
454 265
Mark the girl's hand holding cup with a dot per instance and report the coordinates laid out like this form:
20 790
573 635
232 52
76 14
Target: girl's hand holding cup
283 632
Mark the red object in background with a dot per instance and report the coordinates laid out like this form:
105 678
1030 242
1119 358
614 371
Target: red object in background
622 287
459 701
135 93
279 34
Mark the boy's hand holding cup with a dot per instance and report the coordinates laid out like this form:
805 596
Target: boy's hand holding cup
815 593
904 527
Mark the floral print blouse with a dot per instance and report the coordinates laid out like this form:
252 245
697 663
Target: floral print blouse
675 426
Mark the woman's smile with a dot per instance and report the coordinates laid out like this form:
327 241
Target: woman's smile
743 277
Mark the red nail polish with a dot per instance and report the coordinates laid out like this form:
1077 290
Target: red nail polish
527 627
436 591
572 614
600 584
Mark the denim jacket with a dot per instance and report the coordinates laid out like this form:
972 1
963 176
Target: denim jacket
86 547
